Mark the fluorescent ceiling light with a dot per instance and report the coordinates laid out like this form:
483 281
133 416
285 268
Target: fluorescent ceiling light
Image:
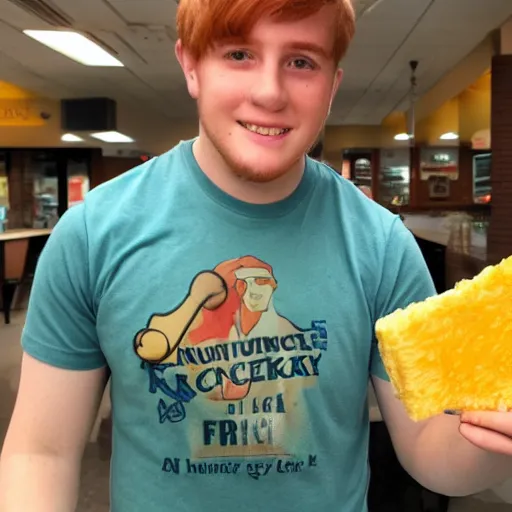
113 137
449 136
75 46
69 137
402 136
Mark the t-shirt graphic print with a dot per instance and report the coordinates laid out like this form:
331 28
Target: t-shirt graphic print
227 365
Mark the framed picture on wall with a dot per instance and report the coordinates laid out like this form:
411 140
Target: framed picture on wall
439 187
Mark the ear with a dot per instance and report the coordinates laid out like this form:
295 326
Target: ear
338 77
189 67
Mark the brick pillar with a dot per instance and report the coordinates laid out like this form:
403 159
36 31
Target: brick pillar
500 229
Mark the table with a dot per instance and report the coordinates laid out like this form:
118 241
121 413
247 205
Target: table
448 265
19 251
20 234
437 230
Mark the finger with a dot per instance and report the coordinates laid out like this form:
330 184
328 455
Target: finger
500 422
488 440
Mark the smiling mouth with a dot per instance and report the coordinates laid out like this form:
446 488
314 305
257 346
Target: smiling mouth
261 130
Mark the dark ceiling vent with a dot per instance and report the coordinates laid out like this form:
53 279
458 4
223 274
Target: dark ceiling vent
46 11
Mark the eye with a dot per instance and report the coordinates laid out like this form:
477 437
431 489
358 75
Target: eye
238 55
302 64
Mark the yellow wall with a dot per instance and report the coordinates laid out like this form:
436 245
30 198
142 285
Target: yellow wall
475 108
21 115
12 92
465 114
41 134
339 138
21 124
467 72
443 120
21 119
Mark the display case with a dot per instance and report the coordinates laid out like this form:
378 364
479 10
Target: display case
394 177
362 172
42 183
482 187
41 179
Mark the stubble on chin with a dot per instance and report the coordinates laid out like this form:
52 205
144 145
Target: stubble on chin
240 169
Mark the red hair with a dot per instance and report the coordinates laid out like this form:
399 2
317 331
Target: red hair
202 23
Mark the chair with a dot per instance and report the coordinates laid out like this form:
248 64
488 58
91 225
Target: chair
14 260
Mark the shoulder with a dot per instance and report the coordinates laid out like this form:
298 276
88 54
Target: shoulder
375 240
114 211
136 196
141 178
361 216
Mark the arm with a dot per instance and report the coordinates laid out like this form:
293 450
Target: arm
52 419
436 454
447 454
63 375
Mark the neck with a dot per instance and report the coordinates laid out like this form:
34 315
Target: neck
219 172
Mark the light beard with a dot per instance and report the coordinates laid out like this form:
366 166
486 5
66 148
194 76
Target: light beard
245 172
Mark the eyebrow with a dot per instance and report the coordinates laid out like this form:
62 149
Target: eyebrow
310 47
296 46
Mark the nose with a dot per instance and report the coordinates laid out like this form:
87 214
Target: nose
269 89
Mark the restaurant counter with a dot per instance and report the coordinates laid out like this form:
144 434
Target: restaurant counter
448 264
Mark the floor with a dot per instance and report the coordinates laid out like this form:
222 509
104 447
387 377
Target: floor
95 471
94 494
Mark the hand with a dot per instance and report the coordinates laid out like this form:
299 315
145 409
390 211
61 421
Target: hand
491 431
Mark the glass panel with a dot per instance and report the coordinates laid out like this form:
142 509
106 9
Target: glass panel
363 172
78 180
482 187
41 190
394 177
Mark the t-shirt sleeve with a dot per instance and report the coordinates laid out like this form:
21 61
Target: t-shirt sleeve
405 279
60 327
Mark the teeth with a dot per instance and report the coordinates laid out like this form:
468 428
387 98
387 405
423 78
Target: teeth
265 131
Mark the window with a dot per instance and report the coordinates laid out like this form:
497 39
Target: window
41 189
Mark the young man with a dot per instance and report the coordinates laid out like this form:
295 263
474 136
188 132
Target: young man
231 287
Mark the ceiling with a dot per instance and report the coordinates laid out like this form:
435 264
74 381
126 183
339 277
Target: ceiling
438 33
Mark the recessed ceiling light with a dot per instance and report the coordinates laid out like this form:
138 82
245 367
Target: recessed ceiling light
69 137
449 136
113 137
402 136
75 46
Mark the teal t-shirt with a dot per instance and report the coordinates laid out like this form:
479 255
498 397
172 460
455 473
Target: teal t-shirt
240 336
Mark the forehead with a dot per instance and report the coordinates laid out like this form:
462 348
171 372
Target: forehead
317 30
